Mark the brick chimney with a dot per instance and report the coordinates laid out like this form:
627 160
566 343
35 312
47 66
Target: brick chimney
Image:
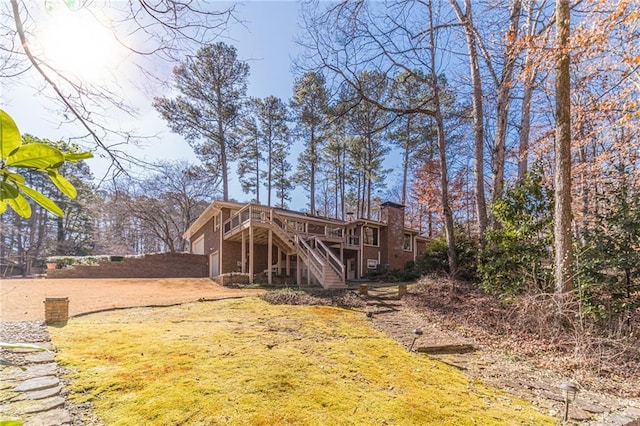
392 236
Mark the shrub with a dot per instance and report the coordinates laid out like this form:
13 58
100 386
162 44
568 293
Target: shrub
435 259
517 252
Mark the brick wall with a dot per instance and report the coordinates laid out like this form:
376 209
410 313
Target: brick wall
166 265
392 237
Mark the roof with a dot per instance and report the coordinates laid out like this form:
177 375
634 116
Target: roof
216 206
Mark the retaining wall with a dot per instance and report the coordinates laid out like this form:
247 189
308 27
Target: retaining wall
166 265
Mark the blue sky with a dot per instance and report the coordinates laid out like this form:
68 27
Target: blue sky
266 40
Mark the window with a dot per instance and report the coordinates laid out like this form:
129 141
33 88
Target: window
216 222
197 247
371 236
372 263
407 243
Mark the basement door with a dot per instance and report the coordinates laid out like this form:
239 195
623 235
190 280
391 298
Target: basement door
351 269
214 264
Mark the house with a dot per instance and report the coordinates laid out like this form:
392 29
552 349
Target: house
255 239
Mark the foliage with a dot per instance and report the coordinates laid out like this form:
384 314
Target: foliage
14 154
310 104
435 259
516 257
212 86
245 362
610 254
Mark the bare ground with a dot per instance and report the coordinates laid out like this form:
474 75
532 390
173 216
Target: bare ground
23 299
509 353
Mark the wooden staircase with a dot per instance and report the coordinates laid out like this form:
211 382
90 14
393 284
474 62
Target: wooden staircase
321 263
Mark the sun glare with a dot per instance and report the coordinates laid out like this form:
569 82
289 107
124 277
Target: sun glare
76 42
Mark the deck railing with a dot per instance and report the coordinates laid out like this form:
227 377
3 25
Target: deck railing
331 258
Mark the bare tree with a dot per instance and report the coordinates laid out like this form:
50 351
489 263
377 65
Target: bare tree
562 213
350 40
168 29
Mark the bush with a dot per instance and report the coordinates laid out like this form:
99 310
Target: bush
435 259
517 252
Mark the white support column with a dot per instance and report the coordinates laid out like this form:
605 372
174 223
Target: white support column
298 270
269 257
250 254
243 254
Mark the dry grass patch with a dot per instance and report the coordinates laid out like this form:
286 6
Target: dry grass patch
247 362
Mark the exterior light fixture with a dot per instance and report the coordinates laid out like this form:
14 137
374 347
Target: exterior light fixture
569 393
416 333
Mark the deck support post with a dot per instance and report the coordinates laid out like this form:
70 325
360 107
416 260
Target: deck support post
288 264
279 260
270 257
250 254
243 254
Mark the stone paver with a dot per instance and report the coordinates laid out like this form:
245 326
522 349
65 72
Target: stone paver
40 358
54 417
41 405
34 392
37 383
41 394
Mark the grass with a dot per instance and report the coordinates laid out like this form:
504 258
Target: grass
246 362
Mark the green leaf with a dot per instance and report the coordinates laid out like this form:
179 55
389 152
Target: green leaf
9 135
8 191
41 199
74 157
20 205
3 205
36 156
7 345
15 177
62 183
11 422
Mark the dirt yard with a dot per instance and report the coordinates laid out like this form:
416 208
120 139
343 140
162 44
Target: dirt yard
23 299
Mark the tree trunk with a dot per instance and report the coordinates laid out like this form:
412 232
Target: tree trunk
466 20
562 214
444 178
504 94
525 119
405 163
312 178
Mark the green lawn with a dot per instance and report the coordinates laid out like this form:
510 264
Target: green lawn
246 362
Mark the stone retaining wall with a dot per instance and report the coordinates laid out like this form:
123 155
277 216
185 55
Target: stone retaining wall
166 265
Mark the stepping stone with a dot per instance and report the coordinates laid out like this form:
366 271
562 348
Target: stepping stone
592 408
38 383
44 405
39 394
40 358
56 417
632 411
578 414
33 371
446 349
